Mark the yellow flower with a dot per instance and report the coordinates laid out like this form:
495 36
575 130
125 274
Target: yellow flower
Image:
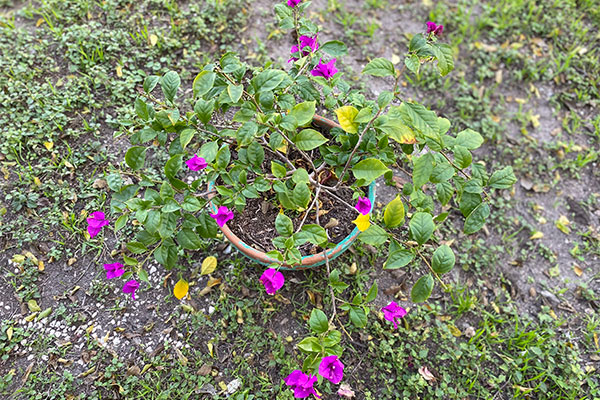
362 222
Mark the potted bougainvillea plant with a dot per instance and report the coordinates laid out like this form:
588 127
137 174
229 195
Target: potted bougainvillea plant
251 152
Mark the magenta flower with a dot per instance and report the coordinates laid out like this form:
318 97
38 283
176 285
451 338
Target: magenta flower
222 216
393 311
114 270
196 163
130 287
301 384
272 279
363 205
305 41
95 223
293 3
332 368
325 70
435 29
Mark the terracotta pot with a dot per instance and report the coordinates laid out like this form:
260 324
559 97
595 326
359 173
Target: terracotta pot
307 261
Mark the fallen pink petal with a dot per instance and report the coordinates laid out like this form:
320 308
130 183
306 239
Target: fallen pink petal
114 270
273 280
96 222
331 368
393 312
130 287
301 384
346 391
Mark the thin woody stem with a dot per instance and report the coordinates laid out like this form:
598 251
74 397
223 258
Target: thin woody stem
315 200
331 293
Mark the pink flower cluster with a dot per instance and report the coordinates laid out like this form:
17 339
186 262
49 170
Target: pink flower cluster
96 222
330 368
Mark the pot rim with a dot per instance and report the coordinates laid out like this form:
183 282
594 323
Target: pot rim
309 261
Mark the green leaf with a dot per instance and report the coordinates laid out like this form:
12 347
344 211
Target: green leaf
468 139
412 63
188 239
442 172
186 137
173 165
136 247
300 175
443 53
398 259
417 43
318 321
121 221
468 202
223 157
358 317
304 112
309 139
444 192
235 92
374 235
368 170
398 131
384 98
476 219
346 116
422 289
462 156
422 169
380 67
208 151
245 134
421 227
301 195
136 157
310 345
141 109
443 259
203 82
364 115
333 338
166 254
372 294
170 83
393 216
284 225
150 83
312 233
503 179
334 48
267 80
422 119
255 154
204 109
278 170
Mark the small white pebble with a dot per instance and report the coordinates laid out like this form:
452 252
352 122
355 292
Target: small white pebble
211 309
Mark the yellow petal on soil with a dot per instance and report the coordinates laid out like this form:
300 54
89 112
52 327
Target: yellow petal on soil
208 265
537 235
563 225
181 289
577 270
213 282
346 115
119 71
39 22
48 145
153 39
362 222
41 266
